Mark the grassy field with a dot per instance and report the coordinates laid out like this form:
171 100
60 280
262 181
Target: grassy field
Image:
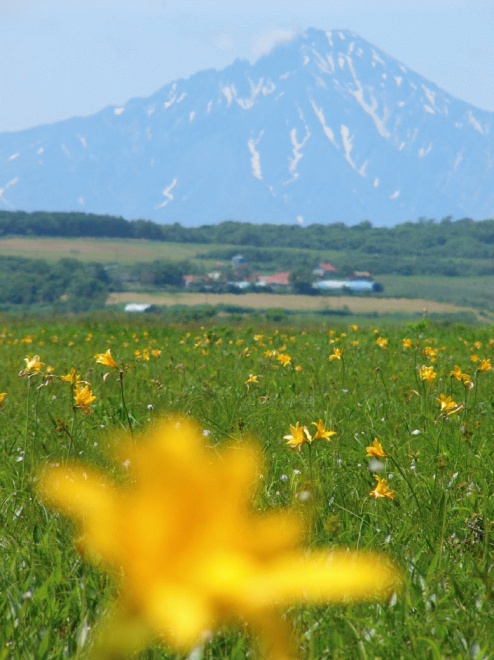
475 292
118 251
355 305
377 439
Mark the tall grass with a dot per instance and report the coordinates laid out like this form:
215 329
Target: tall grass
439 466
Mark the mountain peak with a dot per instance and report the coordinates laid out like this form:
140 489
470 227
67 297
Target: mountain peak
324 128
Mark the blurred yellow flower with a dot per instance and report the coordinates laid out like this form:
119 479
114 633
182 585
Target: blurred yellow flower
3 396
299 435
191 552
142 355
284 359
83 397
431 353
321 432
407 343
456 372
106 359
485 365
337 354
375 450
381 489
427 373
382 342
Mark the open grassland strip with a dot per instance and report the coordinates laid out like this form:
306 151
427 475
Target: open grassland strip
471 291
103 250
291 302
128 251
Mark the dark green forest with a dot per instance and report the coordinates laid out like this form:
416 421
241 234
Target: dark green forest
68 285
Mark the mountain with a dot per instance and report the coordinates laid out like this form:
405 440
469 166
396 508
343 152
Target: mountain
326 128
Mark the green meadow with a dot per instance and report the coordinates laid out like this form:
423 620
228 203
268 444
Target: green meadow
411 408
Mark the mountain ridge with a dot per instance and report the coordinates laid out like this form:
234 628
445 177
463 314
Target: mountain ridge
325 128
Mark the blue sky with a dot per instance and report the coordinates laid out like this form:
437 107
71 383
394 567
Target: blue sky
60 58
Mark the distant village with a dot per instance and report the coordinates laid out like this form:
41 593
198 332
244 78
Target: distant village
240 279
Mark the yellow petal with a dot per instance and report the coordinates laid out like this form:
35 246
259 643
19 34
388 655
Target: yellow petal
323 577
179 615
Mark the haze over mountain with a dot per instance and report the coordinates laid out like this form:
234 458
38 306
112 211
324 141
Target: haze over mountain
326 128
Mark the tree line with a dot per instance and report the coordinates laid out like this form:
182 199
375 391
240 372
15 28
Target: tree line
463 238
67 285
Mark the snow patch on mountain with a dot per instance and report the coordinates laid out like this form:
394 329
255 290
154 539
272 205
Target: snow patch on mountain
5 188
327 130
167 194
255 160
297 153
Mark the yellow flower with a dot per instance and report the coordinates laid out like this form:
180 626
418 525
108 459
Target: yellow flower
3 396
106 359
284 359
447 405
33 365
321 432
485 365
191 552
337 354
83 397
431 353
299 436
381 489
72 377
456 373
375 450
252 379
427 373
142 355
407 343
382 342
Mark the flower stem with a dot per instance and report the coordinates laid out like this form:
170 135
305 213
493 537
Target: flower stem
124 405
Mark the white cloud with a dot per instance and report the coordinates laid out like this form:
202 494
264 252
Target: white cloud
265 42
